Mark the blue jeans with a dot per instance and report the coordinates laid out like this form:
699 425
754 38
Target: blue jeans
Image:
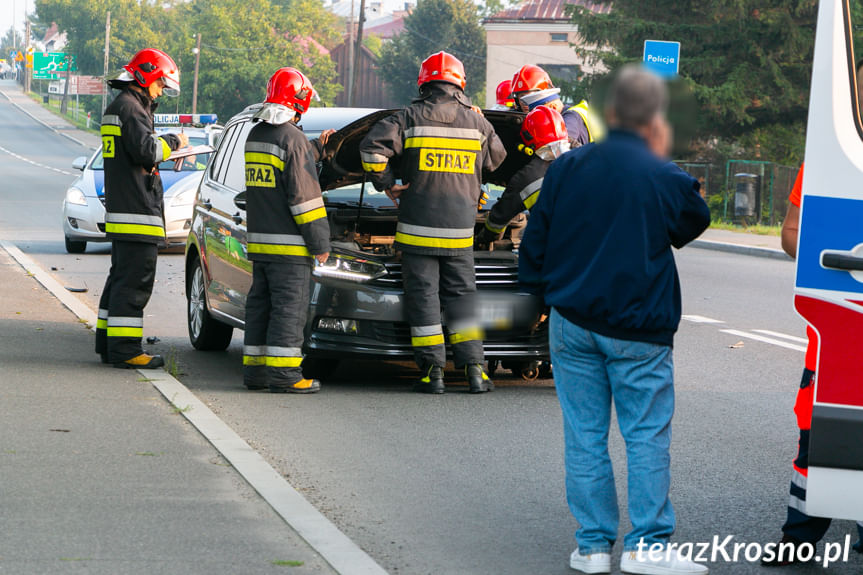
591 370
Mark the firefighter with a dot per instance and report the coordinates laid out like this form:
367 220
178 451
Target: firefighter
440 148
545 139
133 204
287 231
532 87
503 97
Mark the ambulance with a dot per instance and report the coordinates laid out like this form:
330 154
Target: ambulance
829 279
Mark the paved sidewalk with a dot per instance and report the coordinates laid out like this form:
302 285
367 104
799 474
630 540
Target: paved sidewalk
742 242
99 475
15 94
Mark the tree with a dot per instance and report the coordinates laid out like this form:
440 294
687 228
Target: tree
748 62
12 39
435 25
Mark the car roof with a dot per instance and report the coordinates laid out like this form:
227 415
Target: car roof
315 120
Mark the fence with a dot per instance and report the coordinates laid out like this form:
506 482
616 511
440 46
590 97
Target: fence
720 184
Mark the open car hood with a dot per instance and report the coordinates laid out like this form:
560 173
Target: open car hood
343 166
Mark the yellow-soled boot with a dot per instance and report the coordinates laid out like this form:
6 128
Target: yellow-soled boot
302 386
143 361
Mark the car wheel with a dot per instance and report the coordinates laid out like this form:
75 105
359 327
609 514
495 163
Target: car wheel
75 247
205 333
319 368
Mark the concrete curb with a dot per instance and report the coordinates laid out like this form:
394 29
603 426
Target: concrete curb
741 249
320 533
50 127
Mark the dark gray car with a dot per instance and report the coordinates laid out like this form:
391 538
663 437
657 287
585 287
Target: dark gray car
357 298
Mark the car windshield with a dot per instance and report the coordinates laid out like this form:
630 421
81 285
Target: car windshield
350 196
190 163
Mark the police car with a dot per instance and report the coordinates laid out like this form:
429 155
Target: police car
84 203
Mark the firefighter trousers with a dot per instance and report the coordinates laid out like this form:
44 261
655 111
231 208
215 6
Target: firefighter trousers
276 310
120 324
449 282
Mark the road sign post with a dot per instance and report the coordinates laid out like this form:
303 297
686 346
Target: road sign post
662 58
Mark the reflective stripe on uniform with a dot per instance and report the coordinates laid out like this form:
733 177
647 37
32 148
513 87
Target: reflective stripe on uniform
309 211
493 226
427 335
134 224
277 244
798 479
254 355
284 356
373 162
465 331
266 159
530 193
423 236
110 130
102 319
443 132
125 326
166 149
112 119
795 502
265 148
443 143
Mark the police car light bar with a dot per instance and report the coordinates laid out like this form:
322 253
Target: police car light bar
175 119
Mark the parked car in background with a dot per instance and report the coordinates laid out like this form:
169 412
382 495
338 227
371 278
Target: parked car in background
357 296
84 203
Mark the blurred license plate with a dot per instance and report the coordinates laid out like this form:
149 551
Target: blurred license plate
495 315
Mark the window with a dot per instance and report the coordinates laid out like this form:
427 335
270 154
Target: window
562 72
235 178
224 150
559 37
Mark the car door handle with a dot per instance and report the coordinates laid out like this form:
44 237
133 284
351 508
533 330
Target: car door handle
238 219
845 261
208 205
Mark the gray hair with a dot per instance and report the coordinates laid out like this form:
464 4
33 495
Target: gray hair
636 97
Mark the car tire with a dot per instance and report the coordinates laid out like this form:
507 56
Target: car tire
205 332
75 246
319 368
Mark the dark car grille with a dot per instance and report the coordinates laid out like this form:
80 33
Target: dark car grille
400 333
488 275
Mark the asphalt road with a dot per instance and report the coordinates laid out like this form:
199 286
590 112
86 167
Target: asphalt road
461 484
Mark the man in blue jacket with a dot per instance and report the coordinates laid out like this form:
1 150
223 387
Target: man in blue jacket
618 206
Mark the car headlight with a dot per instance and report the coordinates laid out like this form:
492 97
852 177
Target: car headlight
184 198
75 196
350 268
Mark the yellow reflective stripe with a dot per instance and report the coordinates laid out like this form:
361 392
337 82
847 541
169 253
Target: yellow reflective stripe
490 227
471 334
446 143
109 130
374 167
310 216
254 360
427 340
267 159
101 324
276 249
125 332
425 242
135 229
531 199
284 361
166 149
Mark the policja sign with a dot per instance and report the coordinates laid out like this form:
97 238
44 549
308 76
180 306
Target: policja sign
662 58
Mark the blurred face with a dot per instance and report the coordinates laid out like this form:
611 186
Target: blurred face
556 105
155 88
659 136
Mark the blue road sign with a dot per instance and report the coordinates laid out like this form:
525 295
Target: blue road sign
662 58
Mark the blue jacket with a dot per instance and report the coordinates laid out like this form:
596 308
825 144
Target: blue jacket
598 243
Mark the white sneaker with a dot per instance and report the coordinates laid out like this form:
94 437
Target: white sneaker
592 563
673 565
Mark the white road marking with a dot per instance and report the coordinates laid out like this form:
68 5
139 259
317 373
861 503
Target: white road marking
37 164
781 335
701 319
320 533
763 339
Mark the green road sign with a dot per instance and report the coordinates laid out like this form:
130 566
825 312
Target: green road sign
49 65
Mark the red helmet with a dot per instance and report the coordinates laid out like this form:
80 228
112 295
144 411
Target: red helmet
290 87
504 94
150 64
442 67
542 127
530 78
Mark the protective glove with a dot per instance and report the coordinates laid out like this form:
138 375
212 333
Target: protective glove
483 200
484 238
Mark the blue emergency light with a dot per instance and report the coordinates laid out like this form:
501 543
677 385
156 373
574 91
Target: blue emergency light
181 119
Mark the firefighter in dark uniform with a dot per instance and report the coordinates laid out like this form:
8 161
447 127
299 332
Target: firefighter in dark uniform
287 230
440 147
543 132
133 203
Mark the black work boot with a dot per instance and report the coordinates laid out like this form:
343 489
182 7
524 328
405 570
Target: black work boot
302 386
785 553
432 382
477 380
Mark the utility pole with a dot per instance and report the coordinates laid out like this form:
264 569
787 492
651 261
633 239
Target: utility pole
27 71
350 62
64 106
358 50
195 81
107 44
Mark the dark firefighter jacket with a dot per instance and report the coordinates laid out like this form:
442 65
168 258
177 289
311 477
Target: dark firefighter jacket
520 194
441 148
286 217
132 150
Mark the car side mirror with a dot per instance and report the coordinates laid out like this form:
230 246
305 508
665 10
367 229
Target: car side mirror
240 200
79 163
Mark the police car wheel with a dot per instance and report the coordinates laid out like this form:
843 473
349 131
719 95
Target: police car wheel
75 247
205 333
